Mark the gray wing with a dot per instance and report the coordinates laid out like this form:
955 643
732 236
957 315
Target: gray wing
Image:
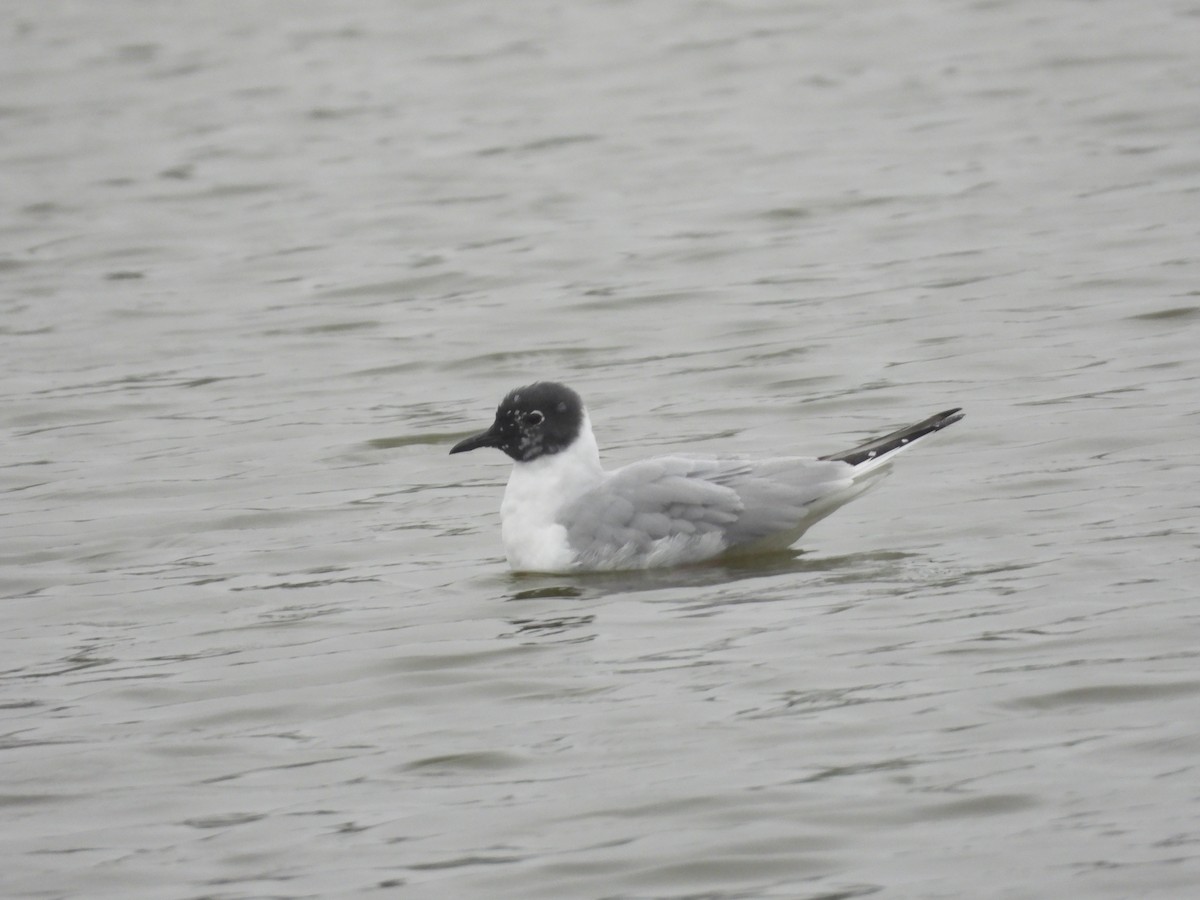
784 497
691 509
659 505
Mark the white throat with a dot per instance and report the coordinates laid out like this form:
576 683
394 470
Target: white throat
536 492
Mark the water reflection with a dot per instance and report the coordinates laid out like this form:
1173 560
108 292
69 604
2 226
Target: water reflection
552 626
556 598
852 567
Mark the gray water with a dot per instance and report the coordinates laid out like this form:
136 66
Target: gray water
262 264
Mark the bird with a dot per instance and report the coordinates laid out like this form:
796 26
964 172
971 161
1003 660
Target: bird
563 513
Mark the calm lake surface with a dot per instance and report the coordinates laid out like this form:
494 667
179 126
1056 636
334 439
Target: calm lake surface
263 263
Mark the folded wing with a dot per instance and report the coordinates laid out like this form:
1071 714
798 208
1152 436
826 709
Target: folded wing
675 509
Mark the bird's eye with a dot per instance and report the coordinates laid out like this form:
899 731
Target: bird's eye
534 418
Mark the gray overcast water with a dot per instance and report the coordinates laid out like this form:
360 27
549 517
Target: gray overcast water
263 263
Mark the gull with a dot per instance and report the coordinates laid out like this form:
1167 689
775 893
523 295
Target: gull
563 512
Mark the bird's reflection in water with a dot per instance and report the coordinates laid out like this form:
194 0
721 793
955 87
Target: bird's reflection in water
592 586
851 567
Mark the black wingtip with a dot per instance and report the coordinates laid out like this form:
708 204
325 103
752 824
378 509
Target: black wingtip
906 435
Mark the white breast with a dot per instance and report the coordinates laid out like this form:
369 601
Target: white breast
534 541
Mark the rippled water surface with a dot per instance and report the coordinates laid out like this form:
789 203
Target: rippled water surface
263 263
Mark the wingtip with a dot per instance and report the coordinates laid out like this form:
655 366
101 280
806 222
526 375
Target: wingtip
872 451
950 416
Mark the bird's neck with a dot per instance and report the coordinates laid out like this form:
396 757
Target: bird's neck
537 491
541 486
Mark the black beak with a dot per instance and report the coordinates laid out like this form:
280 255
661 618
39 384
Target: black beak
489 438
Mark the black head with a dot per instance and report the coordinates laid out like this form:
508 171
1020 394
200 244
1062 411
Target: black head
532 421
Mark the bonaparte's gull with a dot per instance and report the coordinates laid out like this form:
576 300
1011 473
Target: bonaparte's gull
562 512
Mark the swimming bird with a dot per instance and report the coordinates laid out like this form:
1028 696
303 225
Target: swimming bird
563 512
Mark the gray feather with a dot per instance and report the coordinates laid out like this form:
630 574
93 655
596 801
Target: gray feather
696 507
